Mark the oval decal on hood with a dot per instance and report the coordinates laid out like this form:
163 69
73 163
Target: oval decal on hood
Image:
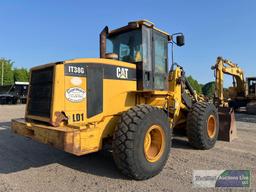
75 94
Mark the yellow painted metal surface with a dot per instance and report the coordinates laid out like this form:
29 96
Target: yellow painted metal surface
175 99
86 135
71 140
154 143
150 24
222 67
119 95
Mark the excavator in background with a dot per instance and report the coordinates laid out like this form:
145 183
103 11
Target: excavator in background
241 94
243 91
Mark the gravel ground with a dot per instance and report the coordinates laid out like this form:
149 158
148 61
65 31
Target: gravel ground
26 165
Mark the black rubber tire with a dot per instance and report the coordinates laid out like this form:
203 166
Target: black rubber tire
251 108
197 125
128 141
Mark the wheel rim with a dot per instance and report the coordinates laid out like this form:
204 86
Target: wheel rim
154 143
211 126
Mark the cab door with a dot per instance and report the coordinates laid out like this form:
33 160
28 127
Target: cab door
160 59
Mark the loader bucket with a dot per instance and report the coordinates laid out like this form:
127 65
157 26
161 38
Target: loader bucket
227 124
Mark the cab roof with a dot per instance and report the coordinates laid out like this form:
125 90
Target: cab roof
137 24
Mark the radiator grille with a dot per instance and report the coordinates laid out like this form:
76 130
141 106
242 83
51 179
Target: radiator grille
40 93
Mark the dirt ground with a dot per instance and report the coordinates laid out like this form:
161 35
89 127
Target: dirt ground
26 165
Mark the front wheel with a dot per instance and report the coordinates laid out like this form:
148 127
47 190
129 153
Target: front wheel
203 125
142 142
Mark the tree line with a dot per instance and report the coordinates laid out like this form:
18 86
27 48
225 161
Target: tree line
207 89
11 73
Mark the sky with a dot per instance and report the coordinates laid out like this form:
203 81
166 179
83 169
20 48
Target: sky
38 32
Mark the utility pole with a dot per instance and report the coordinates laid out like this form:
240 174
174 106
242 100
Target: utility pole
2 73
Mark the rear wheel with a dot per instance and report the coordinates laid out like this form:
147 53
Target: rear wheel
203 125
142 142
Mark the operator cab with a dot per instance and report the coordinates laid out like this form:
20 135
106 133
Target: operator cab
144 45
251 86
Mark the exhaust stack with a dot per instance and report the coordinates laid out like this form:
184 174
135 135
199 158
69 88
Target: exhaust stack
103 37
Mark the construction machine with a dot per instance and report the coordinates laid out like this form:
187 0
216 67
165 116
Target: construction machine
243 91
127 98
14 93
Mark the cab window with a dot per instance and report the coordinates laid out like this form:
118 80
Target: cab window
160 60
128 46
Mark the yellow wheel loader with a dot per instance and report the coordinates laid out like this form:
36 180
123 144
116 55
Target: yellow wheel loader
127 97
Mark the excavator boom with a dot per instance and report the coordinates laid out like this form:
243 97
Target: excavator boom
222 67
228 130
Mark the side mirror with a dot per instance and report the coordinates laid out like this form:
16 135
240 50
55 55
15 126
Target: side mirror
180 40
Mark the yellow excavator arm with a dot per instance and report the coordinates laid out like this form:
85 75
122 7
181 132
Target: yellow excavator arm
222 67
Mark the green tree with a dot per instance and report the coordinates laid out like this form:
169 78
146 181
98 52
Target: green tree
6 66
208 89
21 74
194 83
